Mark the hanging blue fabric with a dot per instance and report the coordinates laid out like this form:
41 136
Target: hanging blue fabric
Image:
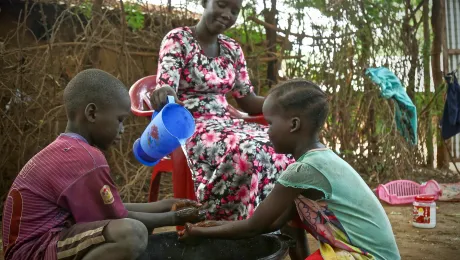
450 124
405 110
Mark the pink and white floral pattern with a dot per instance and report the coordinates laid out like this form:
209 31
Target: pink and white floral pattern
235 166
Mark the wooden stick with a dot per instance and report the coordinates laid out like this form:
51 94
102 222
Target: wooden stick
268 59
450 156
135 53
137 46
66 44
453 51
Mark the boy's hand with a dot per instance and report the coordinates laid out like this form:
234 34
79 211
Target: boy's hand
189 215
184 203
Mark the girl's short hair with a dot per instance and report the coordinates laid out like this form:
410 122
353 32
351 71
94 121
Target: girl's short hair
302 97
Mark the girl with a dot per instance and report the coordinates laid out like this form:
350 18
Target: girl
331 200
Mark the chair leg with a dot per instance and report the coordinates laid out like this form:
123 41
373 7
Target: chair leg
154 189
164 165
183 185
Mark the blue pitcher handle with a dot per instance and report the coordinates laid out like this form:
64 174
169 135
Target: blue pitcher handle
171 100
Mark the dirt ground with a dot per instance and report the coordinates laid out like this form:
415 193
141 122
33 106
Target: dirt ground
442 242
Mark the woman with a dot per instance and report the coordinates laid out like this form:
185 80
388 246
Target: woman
234 164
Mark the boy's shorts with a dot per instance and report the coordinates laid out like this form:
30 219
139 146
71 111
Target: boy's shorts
77 240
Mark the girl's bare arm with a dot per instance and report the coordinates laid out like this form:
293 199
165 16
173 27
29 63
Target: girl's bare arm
269 215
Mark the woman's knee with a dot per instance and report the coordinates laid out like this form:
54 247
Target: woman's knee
129 233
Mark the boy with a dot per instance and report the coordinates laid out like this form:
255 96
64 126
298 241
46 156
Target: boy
64 204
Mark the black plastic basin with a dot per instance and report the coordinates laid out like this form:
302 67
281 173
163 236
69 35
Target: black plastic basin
165 246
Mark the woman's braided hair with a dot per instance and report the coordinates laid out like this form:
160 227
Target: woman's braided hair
304 97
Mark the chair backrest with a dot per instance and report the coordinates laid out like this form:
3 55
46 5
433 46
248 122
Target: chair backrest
139 95
403 188
140 101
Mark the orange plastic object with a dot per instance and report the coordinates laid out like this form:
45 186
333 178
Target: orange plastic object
183 186
165 165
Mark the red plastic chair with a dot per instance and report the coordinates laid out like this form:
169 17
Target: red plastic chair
183 186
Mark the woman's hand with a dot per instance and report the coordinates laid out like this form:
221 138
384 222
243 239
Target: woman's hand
189 215
159 97
251 104
185 203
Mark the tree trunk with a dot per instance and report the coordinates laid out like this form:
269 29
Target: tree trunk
365 35
270 18
437 26
410 36
169 6
445 54
426 82
413 49
96 13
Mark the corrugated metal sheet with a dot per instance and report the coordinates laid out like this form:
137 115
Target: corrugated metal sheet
453 31
453 42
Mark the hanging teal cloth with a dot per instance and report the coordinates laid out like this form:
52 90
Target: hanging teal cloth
406 112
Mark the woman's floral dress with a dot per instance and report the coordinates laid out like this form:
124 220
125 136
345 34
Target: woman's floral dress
234 164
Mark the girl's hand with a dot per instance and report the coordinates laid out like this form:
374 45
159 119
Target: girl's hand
208 223
187 232
189 215
185 203
159 97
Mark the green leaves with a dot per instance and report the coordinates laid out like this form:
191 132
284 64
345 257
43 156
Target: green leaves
85 8
302 4
133 13
134 16
240 34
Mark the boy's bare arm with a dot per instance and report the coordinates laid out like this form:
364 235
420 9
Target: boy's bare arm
152 207
161 206
153 220
172 218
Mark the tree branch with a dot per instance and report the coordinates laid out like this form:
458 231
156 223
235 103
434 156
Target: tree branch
268 59
67 44
413 12
300 35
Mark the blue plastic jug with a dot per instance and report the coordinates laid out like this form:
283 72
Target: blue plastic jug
169 129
